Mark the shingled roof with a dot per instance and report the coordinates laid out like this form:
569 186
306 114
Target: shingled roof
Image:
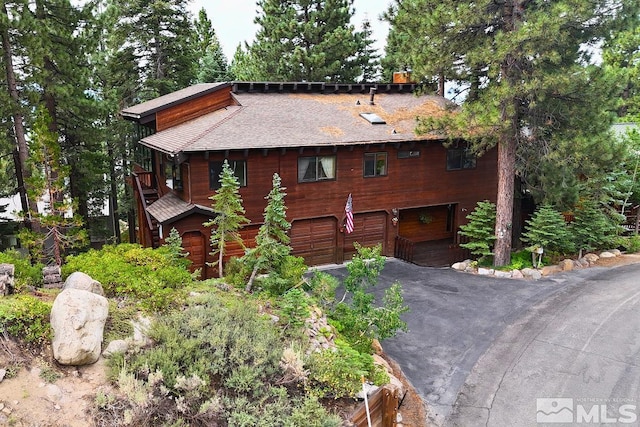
303 116
148 108
170 208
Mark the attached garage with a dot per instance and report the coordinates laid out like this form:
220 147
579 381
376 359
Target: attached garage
194 242
369 229
315 240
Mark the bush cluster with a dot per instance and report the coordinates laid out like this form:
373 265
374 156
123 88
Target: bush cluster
26 274
213 364
154 277
26 317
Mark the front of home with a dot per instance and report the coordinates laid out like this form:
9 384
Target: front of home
326 141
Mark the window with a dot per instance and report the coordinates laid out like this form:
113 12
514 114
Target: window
173 175
239 168
143 157
375 164
460 158
408 154
317 168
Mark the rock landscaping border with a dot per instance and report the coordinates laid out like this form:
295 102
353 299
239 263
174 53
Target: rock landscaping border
588 260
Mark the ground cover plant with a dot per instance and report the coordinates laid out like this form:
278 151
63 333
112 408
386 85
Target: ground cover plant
152 277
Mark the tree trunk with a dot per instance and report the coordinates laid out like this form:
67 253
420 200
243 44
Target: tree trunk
504 204
441 84
29 205
113 196
513 14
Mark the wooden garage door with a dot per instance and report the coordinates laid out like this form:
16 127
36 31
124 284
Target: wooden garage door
315 240
368 229
194 243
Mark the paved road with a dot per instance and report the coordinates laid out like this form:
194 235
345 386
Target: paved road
575 357
456 317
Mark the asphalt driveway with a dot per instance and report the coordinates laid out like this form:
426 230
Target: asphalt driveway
453 319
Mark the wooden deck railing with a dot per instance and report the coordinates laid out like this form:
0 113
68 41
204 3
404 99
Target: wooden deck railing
383 409
404 249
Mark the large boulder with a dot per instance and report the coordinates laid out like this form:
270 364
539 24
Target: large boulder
80 280
77 319
6 279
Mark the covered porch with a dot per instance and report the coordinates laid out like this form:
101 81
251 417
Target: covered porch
427 237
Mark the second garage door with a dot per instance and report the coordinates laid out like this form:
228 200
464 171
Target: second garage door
368 230
315 240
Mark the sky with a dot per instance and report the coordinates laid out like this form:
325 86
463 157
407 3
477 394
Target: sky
233 20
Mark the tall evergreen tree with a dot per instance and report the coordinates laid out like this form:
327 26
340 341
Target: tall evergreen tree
525 67
12 105
227 204
59 224
304 40
621 56
369 56
272 241
212 63
157 37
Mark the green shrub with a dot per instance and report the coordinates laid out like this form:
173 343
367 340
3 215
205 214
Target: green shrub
231 344
25 274
480 230
154 277
548 229
287 275
322 287
118 325
294 306
630 244
212 364
26 317
338 372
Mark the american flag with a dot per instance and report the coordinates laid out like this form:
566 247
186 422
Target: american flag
348 210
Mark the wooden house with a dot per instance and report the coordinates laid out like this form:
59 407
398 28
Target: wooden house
410 192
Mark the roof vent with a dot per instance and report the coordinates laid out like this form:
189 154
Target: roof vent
373 118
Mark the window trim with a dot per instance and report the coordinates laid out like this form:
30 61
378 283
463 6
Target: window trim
330 177
468 159
375 164
215 184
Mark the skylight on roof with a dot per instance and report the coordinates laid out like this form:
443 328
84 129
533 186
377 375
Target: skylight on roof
373 118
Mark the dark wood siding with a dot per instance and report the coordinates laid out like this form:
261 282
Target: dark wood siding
315 240
411 185
195 108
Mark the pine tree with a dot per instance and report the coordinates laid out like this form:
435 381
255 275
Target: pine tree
59 226
368 56
272 241
621 57
592 229
524 65
479 229
227 204
306 41
548 230
157 36
212 64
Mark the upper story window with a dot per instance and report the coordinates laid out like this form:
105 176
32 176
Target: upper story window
375 164
460 158
173 175
143 157
408 154
239 168
316 168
